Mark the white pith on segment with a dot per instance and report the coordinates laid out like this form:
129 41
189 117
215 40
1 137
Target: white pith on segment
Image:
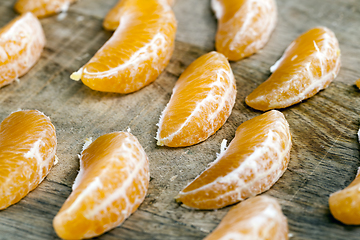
222 79
29 164
35 153
324 52
217 8
133 68
42 8
265 219
24 38
253 8
253 163
130 155
148 51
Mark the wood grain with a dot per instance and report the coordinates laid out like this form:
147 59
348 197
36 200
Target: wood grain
324 157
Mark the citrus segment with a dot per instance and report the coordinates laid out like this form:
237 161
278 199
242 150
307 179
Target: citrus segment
21 44
345 204
42 8
308 65
255 159
112 183
138 51
27 153
257 218
244 26
112 19
357 83
201 101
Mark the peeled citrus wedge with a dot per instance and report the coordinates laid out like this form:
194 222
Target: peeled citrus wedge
308 65
255 159
345 204
21 44
257 218
201 101
112 19
27 153
112 183
137 53
244 26
357 83
42 8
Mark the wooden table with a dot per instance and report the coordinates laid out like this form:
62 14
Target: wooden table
324 156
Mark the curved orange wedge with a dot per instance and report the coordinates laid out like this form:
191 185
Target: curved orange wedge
137 53
255 159
27 153
112 19
308 65
202 100
21 44
112 183
42 8
244 26
257 218
357 83
345 204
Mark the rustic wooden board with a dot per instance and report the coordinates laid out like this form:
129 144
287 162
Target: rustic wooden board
324 157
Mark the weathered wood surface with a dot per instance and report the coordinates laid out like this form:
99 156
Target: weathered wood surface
324 157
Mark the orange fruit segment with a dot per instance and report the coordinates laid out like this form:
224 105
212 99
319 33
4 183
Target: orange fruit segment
308 65
112 183
244 26
255 159
138 51
112 19
357 83
42 8
27 153
345 204
201 102
257 218
21 43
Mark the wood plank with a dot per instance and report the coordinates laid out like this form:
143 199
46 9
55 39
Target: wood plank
324 157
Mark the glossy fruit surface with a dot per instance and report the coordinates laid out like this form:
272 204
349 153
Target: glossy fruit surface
255 159
27 153
357 83
112 183
42 8
258 218
345 204
21 44
202 100
308 65
112 19
138 51
244 26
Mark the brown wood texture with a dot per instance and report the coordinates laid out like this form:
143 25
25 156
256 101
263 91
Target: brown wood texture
324 156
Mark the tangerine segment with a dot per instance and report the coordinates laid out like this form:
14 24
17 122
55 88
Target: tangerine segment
257 218
357 83
112 183
255 159
137 53
345 204
21 44
27 152
112 19
42 8
244 26
308 65
202 100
